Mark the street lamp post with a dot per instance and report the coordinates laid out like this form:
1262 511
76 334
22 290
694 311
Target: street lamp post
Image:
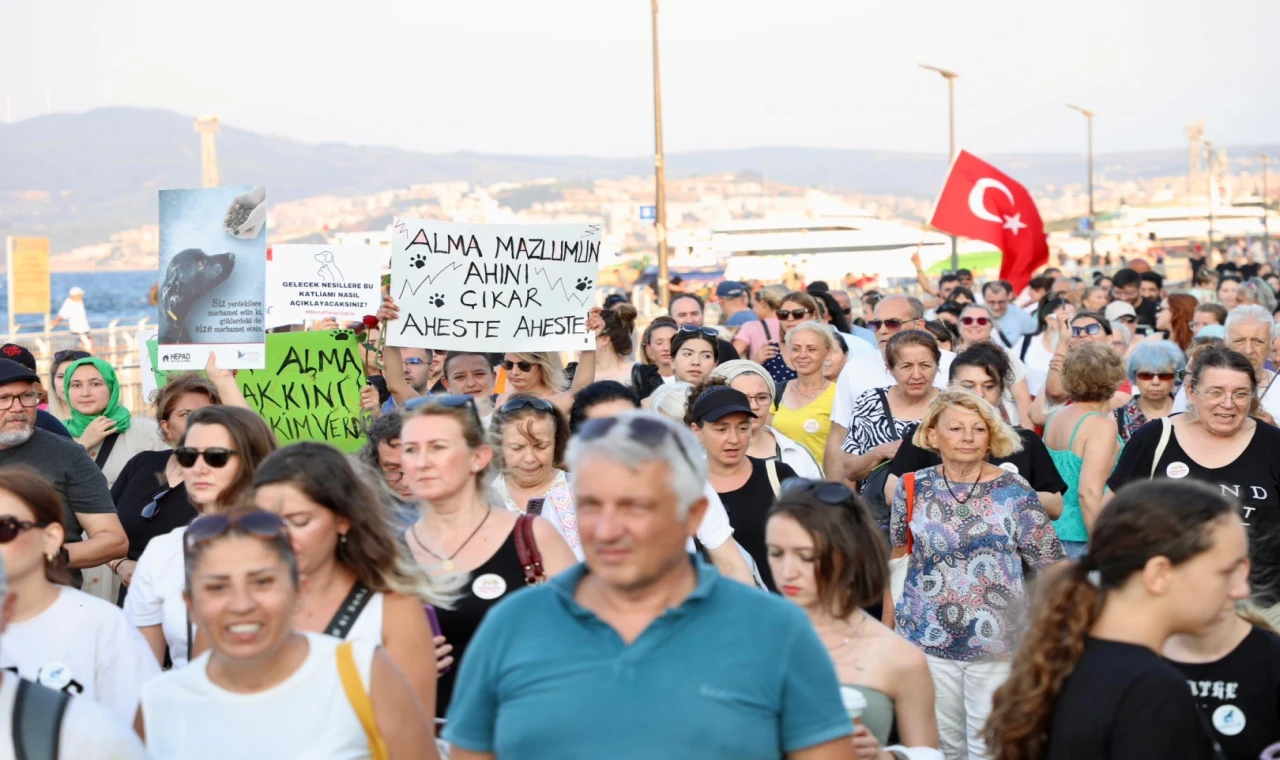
1266 229
660 174
950 76
1093 233
1208 149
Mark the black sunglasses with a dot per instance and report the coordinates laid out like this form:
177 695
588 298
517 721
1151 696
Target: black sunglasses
1089 329
892 324
710 332
11 526
847 311
448 401
644 430
516 404
793 313
69 355
256 523
216 456
151 507
508 365
825 491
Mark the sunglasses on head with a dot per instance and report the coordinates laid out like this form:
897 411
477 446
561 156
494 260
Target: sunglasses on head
892 324
11 527
793 313
825 491
982 321
414 361
509 365
710 332
1166 377
516 404
216 456
257 523
1092 329
644 430
69 355
448 401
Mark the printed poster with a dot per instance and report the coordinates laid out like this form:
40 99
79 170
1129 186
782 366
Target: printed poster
309 389
312 282
27 265
493 287
213 274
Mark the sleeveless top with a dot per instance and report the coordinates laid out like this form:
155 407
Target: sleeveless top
810 424
368 625
1070 526
878 715
487 585
306 716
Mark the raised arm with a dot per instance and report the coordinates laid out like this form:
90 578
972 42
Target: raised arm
392 361
225 381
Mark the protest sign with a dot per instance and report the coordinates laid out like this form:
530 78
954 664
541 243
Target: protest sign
310 388
493 287
310 282
213 263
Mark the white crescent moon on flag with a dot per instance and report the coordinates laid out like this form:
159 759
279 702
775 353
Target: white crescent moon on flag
976 204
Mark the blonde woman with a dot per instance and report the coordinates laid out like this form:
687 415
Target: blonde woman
766 442
803 414
541 374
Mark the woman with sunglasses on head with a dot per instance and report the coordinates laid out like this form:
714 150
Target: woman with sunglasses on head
463 529
59 636
796 309
694 353
829 559
265 689
57 381
1154 371
218 454
1087 680
530 436
803 410
98 420
361 583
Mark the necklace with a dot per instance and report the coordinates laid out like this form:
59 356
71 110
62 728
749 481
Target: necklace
447 562
822 387
972 488
852 634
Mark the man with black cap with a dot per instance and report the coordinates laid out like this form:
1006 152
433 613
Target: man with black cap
67 467
44 420
735 302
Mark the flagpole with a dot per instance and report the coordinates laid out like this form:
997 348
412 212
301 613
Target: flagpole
951 77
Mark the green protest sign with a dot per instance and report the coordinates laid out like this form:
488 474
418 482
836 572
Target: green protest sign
310 389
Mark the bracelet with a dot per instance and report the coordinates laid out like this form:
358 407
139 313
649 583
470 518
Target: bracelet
115 568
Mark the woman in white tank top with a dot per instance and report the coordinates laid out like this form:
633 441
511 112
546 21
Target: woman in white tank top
361 583
263 689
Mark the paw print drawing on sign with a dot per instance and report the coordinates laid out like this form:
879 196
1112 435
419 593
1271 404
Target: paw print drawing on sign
342 334
418 261
584 284
436 300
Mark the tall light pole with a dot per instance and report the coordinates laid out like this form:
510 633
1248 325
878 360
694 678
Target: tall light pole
1208 149
1093 233
1266 229
659 174
950 76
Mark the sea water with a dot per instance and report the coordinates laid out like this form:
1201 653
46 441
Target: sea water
107 295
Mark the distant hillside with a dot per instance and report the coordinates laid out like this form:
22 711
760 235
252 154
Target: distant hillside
77 178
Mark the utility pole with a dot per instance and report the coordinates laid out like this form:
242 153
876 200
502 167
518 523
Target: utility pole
660 174
1093 232
1266 229
951 77
1209 166
208 127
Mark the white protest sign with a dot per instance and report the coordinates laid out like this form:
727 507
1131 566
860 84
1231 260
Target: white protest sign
493 287
311 282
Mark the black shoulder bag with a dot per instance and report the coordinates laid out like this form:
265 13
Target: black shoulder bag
104 451
873 487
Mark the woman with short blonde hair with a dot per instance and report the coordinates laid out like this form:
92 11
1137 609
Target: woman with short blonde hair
803 409
1004 440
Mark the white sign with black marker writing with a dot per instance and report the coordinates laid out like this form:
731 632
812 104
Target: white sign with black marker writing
493 287
312 282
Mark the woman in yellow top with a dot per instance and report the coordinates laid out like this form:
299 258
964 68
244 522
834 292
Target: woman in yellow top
803 412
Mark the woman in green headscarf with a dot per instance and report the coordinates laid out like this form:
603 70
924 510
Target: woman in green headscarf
99 421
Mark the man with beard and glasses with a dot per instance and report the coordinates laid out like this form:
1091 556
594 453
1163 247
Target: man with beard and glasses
66 465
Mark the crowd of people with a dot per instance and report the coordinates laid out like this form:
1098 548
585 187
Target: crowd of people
840 524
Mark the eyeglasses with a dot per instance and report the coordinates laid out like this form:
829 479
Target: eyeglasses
149 510
216 456
1215 395
508 365
981 321
392 474
449 401
893 325
709 332
28 400
256 523
414 361
1078 330
11 526
848 312
644 430
516 404
1147 377
789 314
825 491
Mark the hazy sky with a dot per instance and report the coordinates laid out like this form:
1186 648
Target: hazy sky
574 76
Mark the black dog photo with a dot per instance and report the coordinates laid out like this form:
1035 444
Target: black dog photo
191 275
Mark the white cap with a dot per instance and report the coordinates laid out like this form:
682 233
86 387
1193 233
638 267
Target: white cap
1118 309
76 292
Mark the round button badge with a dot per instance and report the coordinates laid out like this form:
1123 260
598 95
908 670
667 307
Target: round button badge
811 426
489 586
1010 467
1177 470
1228 720
55 675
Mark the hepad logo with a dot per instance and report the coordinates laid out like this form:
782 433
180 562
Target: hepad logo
180 357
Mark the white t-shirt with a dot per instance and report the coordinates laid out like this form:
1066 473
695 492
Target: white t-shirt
89 731
1037 361
308 715
368 625
155 595
84 646
858 377
73 312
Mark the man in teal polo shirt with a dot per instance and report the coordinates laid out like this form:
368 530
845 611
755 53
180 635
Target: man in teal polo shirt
643 651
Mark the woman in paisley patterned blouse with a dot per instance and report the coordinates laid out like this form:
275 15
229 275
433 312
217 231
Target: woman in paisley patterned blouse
970 528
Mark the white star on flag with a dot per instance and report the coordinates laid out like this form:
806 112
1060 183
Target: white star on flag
1014 223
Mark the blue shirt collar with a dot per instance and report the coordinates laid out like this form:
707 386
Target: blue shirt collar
566 584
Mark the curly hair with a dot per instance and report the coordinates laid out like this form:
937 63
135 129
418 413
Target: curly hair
1092 372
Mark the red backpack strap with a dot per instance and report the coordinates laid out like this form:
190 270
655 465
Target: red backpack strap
527 549
909 485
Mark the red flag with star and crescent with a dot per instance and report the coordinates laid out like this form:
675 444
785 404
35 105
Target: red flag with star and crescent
979 201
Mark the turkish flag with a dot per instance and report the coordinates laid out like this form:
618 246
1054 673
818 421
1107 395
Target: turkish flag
981 202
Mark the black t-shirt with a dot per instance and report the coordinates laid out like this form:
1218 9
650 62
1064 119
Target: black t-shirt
141 480
748 507
1146 311
1240 695
1123 702
1033 463
725 351
1253 478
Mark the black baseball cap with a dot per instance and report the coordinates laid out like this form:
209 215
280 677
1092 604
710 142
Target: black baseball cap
19 354
13 372
720 401
731 289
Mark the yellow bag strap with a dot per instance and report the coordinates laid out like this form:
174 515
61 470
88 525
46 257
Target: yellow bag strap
360 701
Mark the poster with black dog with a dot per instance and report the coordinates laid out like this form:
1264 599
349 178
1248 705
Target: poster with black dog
213 277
